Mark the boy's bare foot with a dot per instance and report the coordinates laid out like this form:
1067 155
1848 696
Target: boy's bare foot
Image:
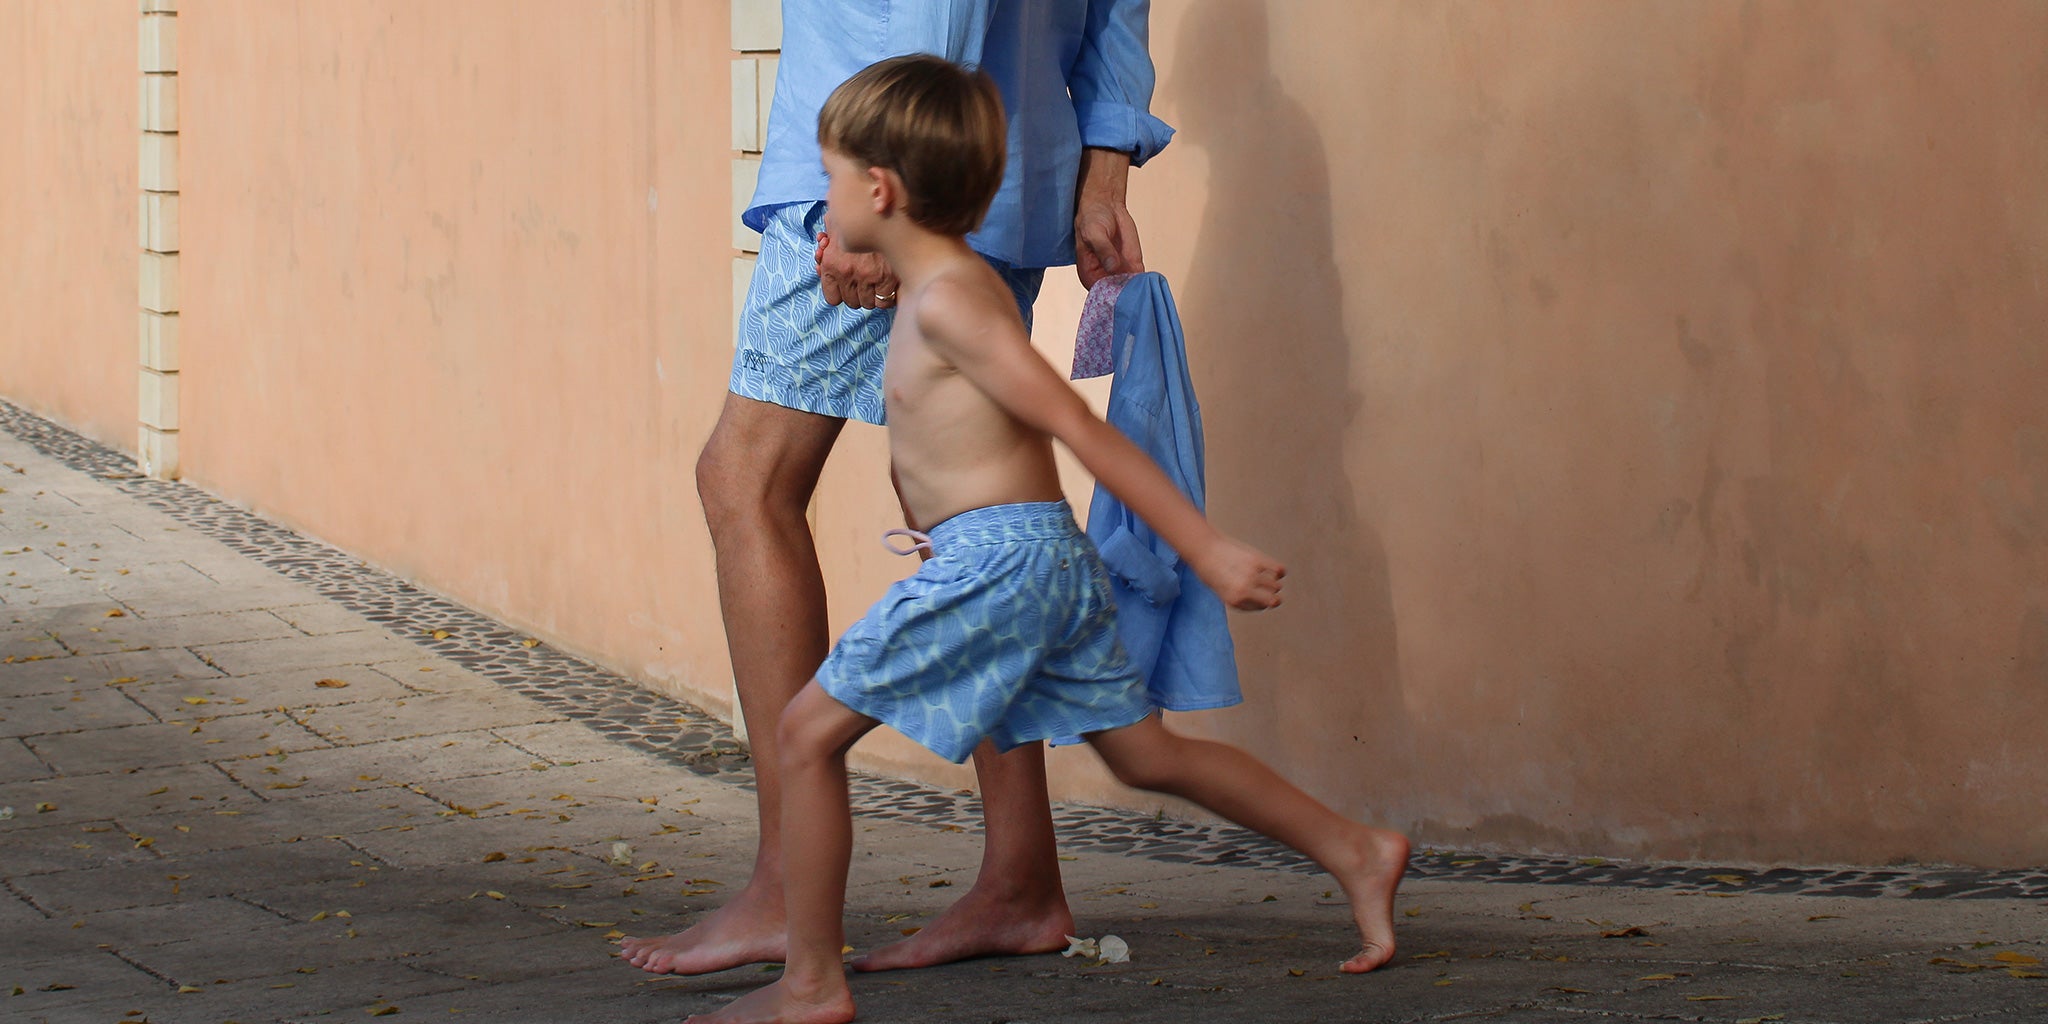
781 1004
748 930
978 925
1369 882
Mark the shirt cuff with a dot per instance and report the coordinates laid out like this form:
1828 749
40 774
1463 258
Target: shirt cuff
1123 128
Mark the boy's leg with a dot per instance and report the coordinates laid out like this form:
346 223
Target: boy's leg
815 734
756 476
1367 861
1018 905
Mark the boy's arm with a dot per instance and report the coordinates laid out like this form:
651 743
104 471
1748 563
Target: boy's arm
980 336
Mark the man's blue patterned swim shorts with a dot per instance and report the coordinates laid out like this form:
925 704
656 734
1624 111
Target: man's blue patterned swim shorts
1008 633
799 353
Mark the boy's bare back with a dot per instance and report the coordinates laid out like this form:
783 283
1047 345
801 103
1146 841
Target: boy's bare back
953 447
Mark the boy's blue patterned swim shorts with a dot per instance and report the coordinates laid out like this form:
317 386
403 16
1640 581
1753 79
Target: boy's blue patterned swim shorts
1007 633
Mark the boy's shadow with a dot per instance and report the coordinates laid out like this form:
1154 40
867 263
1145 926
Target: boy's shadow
1272 365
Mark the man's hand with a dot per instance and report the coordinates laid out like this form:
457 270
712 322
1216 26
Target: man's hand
1246 578
1105 236
859 280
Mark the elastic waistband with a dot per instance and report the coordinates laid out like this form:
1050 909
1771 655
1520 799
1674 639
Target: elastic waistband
1002 524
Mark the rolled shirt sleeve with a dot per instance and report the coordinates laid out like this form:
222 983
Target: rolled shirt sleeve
1112 79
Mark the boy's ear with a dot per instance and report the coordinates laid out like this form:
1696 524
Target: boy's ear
885 191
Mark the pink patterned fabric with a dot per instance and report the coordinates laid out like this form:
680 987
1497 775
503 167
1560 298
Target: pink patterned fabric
1094 348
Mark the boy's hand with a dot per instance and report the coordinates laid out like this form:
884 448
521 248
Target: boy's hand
859 280
1246 578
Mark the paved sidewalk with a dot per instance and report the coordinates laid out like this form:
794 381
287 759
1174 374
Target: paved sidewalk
248 784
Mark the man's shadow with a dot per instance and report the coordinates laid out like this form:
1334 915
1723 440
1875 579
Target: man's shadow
1272 363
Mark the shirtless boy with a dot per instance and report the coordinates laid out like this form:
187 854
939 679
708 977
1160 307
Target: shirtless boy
1007 631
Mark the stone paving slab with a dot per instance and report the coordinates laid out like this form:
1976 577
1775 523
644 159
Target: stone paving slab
194 789
431 675
336 649
197 740
20 764
143 884
417 760
178 833
135 633
70 712
254 694
92 986
84 672
410 715
321 618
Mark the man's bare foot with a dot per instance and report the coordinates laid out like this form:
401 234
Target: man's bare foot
1369 882
978 925
781 1004
749 930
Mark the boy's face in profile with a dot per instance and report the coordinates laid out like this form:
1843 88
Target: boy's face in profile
850 215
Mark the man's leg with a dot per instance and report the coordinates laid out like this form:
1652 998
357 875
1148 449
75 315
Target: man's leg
756 476
1017 905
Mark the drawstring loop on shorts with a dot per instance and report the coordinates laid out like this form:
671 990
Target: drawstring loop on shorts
920 542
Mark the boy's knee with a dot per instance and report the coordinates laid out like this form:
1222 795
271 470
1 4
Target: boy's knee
801 736
1138 772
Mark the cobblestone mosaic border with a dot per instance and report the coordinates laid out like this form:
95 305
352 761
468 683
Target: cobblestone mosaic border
684 735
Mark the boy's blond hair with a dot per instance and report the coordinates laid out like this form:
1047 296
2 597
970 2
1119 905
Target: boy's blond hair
938 125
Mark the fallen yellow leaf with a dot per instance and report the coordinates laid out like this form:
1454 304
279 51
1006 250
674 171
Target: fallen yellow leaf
1729 879
2016 958
493 857
330 684
1658 977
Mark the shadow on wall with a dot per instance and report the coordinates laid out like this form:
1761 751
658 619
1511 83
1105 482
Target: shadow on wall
1272 363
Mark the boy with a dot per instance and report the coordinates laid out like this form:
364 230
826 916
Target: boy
1007 631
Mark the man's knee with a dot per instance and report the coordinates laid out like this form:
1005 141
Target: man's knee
761 462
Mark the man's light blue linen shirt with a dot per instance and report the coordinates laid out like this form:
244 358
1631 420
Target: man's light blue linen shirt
1073 73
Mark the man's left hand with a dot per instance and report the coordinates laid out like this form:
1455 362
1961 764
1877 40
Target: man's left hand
1105 236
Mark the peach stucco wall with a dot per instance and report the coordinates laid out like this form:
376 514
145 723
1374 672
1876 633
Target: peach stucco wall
458 298
70 143
1645 397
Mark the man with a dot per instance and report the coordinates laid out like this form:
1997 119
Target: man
1076 80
